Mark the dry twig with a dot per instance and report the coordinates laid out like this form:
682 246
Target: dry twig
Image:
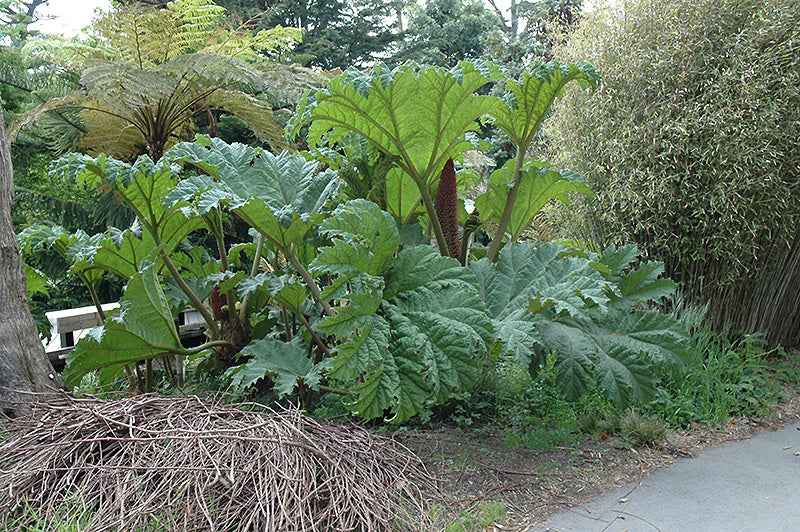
185 463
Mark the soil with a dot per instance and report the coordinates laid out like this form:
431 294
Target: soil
475 466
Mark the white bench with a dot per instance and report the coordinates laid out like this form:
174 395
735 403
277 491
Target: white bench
70 325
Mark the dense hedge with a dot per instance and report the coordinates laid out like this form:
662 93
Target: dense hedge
692 145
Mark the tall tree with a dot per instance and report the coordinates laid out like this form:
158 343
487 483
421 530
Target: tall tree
24 366
336 33
17 16
534 28
445 32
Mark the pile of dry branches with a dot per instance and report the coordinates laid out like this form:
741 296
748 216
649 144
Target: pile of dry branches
184 463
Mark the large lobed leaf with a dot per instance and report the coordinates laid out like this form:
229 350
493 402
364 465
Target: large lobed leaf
144 186
635 284
365 240
616 350
538 185
77 249
529 99
409 338
276 194
587 318
288 362
527 274
144 329
419 115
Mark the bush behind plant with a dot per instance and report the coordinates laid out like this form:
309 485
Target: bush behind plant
690 147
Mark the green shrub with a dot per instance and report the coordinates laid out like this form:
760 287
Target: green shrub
533 410
690 145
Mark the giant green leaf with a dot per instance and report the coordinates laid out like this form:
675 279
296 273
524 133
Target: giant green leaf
122 252
146 312
599 339
415 343
364 241
287 361
144 187
144 329
538 185
418 115
445 329
635 284
617 349
529 275
77 249
365 335
420 266
286 183
278 195
528 100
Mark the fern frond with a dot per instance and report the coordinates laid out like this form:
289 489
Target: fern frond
252 48
285 84
196 21
205 71
61 130
256 114
138 35
34 115
124 86
67 53
111 134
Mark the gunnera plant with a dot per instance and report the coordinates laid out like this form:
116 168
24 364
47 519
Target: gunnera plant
690 146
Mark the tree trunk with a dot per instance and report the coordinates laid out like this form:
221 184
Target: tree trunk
24 366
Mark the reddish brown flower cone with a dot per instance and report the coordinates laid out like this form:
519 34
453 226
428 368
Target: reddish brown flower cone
218 300
447 209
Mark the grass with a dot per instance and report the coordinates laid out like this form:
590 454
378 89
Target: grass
641 430
478 518
533 411
74 517
728 374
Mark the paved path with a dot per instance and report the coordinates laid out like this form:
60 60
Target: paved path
747 486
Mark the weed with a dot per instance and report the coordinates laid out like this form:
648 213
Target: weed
597 415
534 411
72 517
642 430
726 375
786 367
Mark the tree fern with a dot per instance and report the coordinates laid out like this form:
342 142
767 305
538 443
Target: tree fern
145 82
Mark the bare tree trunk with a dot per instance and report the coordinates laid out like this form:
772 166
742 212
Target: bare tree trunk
24 366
